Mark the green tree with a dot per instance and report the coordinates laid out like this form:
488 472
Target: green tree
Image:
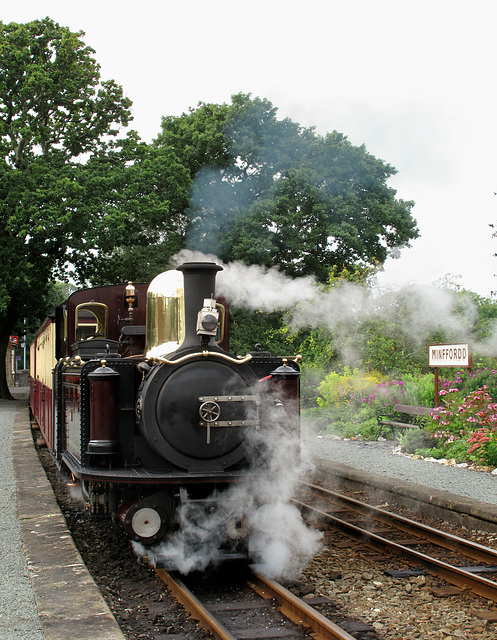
198 137
54 112
135 200
271 192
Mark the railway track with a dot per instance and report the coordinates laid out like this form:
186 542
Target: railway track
436 552
397 607
274 612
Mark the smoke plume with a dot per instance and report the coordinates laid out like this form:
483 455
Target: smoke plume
342 309
257 511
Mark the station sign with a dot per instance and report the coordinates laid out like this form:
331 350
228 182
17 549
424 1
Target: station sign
449 355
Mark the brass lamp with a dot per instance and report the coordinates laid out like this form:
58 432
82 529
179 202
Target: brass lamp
129 297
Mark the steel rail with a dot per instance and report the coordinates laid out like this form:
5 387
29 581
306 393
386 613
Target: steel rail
292 607
425 533
454 575
193 605
298 611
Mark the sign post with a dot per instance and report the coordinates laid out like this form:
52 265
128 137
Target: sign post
448 355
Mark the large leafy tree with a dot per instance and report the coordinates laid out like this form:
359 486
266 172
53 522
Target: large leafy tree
55 112
135 197
271 192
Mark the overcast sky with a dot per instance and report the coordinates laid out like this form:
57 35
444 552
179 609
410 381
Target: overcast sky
413 81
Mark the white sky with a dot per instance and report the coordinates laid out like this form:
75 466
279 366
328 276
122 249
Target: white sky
413 81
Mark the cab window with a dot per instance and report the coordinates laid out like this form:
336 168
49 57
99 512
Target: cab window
91 320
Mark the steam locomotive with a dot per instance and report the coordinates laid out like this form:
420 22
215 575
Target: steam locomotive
139 399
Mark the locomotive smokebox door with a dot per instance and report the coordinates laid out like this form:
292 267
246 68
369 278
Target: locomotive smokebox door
196 414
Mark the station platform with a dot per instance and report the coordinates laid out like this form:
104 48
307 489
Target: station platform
449 492
46 592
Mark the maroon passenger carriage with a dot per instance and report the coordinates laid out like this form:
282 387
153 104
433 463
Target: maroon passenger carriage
138 397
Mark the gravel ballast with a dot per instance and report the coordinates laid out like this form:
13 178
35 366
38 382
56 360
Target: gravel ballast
383 458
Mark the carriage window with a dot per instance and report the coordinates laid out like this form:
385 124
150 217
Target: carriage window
91 320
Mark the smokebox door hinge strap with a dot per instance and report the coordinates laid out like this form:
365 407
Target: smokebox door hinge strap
210 412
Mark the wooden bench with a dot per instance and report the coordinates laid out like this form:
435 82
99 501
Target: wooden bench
403 417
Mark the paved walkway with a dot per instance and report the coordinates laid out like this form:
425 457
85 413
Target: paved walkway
19 618
378 457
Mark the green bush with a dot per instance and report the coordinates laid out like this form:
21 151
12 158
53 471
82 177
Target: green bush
310 379
347 388
456 450
368 429
419 390
491 454
345 421
430 453
479 379
413 439
320 419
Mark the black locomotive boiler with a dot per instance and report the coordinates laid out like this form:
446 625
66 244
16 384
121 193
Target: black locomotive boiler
138 397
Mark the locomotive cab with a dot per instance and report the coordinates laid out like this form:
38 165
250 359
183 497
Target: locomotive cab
91 330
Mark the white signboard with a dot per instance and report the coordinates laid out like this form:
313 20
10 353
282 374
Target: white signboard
449 355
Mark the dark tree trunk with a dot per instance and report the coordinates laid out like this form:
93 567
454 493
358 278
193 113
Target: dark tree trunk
7 325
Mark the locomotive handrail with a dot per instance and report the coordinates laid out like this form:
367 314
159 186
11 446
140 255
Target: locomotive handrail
189 356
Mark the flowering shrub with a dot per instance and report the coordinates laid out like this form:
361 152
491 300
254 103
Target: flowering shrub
464 427
347 388
447 418
473 380
386 395
471 420
349 402
483 449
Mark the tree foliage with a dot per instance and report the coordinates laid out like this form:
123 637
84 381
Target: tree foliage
135 198
52 98
53 109
271 192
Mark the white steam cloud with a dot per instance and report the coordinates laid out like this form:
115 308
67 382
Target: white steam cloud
254 287
342 308
257 510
